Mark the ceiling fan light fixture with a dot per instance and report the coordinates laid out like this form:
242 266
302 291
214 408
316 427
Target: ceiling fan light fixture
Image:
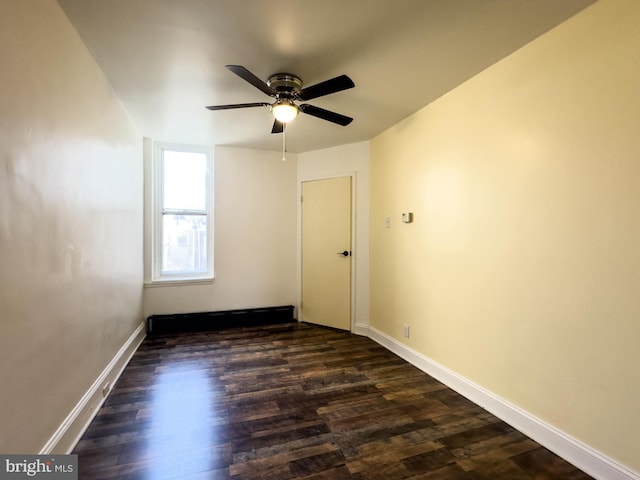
285 88
284 110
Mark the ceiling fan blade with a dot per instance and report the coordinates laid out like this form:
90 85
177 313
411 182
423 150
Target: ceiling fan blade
237 105
247 76
337 84
278 127
325 114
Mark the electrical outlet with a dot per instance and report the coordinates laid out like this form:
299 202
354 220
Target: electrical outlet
387 222
406 331
105 389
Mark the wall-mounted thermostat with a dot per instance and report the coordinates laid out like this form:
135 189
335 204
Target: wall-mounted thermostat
407 217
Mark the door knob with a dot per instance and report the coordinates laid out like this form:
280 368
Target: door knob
345 253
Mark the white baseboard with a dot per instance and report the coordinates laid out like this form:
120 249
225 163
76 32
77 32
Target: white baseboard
72 428
360 329
575 452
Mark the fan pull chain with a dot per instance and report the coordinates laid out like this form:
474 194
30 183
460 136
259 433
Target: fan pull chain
284 142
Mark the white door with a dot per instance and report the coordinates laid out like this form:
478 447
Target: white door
326 252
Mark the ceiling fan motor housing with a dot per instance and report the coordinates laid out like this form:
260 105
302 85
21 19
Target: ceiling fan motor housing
285 84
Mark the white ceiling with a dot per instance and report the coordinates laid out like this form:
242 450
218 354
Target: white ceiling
166 58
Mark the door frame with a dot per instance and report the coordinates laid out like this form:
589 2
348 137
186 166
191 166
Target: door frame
354 186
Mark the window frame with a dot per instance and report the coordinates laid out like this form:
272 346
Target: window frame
158 211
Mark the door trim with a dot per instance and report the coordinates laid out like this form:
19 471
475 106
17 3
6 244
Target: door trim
354 250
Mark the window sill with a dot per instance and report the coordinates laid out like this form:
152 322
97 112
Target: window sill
177 282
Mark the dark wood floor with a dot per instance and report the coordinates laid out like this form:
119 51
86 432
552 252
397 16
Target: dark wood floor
296 401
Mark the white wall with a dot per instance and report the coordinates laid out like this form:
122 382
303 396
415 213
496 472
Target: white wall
256 213
255 238
521 270
70 223
350 159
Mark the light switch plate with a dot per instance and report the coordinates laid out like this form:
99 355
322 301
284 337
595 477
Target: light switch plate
407 217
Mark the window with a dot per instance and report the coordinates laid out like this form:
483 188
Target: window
182 213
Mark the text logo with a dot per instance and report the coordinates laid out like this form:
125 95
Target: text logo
49 467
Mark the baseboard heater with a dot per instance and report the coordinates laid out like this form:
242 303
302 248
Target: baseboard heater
203 321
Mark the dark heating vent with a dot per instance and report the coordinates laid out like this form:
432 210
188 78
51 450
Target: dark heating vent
203 321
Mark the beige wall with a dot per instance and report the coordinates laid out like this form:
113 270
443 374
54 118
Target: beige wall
521 271
255 237
70 223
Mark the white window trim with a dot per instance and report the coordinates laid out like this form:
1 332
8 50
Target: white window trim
155 244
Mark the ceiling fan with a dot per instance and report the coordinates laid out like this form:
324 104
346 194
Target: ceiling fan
286 88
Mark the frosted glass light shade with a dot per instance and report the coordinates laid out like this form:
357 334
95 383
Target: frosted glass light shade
284 111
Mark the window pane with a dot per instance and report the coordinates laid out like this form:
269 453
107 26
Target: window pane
184 244
184 180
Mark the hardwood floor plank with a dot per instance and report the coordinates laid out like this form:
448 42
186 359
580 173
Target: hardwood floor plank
296 401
